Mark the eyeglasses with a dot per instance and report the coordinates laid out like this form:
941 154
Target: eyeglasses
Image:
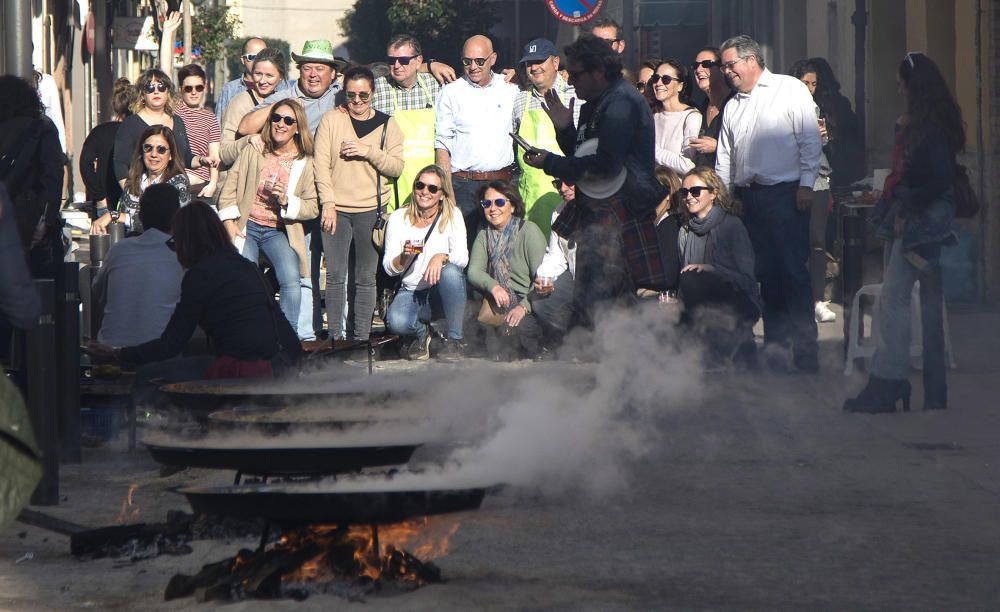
666 79
354 95
276 118
558 183
248 57
728 66
161 149
404 60
640 85
611 41
480 61
151 87
420 186
190 88
705 64
695 191
499 203
171 243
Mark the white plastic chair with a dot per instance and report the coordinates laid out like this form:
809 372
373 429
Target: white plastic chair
857 349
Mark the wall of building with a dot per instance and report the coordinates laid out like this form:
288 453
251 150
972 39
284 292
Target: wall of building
295 21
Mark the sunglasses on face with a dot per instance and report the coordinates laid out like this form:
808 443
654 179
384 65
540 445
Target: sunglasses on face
640 85
151 87
161 149
558 183
666 79
420 186
248 57
467 61
171 244
190 88
499 203
354 95
404 60
695 191
276 118
704 64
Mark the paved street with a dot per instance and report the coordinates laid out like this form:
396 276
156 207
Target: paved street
762 495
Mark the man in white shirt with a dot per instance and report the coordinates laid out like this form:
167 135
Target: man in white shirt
473 140
768 154
140 281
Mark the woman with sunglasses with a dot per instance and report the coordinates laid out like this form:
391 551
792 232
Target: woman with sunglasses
675 120
203 131
643 80
156 160
357 153
154 107
717 267
708 77
267 196
425 243
268 70
552 291
502 265
915 217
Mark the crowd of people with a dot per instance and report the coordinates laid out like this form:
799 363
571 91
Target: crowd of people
514 205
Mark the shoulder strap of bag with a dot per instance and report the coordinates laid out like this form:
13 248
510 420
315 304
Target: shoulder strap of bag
427 237
378 176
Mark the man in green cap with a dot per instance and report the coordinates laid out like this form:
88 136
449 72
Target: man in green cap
317 87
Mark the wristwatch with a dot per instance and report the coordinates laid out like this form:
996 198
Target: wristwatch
115 215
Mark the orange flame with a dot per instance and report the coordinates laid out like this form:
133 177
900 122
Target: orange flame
129 510
429 539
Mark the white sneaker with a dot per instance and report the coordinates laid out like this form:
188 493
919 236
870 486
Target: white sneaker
824 314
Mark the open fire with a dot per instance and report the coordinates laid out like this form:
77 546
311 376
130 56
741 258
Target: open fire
350 561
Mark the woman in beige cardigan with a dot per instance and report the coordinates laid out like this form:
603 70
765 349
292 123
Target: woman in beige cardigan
357 154
268 194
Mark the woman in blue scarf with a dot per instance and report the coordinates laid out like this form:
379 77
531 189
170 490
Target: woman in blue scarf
504 257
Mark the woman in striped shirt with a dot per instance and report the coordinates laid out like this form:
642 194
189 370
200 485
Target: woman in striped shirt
204 133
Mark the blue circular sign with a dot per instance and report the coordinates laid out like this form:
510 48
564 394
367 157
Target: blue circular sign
574 11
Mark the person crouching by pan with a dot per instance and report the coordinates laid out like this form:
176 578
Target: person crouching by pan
717 267
552 293
425 244
504 257
267 196
226 296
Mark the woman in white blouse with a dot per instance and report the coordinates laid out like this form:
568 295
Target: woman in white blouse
425 243
676 121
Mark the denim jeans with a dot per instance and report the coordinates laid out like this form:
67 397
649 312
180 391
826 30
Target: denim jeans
353 228
779 232
411 311
467 199
274 243
555 312
892 353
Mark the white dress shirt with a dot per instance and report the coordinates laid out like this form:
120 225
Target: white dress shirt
559 256
141 280
451 242
770 135
474 124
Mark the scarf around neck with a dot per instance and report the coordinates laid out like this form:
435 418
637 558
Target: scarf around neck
697 235
500 252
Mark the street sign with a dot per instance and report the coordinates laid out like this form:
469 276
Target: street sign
574 11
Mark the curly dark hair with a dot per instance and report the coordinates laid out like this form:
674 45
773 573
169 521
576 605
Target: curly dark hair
593 53
509 191
18 98
930 105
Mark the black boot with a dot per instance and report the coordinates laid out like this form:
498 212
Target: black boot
880 395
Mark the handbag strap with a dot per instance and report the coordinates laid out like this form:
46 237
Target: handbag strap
378 176
427 237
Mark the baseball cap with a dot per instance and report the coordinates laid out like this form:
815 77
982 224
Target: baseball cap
538 50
